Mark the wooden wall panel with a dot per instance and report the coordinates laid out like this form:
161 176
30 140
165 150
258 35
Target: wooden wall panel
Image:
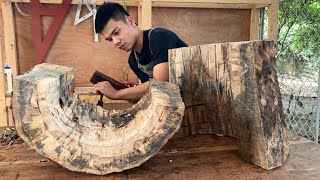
73 46
204 26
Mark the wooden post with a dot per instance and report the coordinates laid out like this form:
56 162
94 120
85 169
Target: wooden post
3 112
83 137
232 89
10 54
254 25
146 14
9 36
273 21
140 15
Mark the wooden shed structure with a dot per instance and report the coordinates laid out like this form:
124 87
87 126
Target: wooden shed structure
196 22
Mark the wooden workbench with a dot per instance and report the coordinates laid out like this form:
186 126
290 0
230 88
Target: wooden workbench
196 157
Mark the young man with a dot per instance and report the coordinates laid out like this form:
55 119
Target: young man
149 49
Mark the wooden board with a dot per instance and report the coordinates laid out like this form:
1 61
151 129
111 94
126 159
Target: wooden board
3 112
254 25
134 2
197 157
204 26
146 15
9 36
230 87
1 37
273 21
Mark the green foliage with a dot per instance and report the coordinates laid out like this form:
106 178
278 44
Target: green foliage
299 36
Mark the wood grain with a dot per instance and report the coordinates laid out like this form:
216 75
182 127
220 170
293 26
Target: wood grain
232 89
53 120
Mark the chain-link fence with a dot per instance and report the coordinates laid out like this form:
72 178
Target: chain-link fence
299 98
298 59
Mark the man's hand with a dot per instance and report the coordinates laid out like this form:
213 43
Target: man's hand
106 88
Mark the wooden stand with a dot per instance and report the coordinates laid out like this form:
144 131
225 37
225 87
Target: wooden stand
83 137
232 89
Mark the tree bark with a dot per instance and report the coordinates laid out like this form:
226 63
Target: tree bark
232 89
50 118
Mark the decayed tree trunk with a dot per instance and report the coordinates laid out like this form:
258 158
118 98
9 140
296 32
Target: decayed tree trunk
232 89
80 136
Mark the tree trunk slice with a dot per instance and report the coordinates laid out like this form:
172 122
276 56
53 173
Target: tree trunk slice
83 137
232 89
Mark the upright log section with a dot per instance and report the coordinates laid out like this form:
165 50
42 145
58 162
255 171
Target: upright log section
232 89
51 119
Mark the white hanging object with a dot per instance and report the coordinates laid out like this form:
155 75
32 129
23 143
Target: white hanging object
79 19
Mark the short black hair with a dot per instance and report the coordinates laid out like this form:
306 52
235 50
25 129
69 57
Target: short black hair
106 12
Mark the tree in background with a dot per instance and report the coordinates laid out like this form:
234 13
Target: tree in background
299 36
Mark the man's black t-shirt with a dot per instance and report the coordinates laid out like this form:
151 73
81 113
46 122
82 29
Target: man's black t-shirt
161 40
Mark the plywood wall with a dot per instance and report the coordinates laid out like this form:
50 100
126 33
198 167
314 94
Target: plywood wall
74 45
204 26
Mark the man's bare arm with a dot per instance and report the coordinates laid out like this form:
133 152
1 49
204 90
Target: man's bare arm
133 93
130 94
160 72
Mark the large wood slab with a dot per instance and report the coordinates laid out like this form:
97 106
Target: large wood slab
50 118
232 89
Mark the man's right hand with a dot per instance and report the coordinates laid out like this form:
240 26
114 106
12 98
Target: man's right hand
106 88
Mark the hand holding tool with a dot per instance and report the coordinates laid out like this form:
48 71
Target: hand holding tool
99 77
